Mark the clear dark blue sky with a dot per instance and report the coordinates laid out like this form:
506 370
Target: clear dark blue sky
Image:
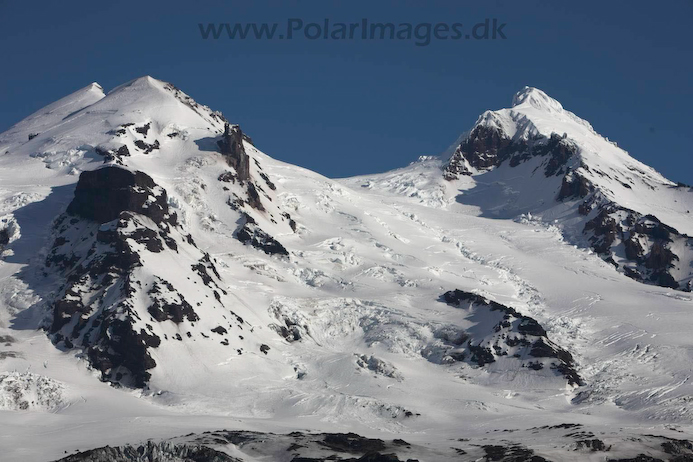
351 107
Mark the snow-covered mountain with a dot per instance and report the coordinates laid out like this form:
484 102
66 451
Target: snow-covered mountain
161 276
538 158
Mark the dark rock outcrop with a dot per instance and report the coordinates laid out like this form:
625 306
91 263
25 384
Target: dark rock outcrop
574 185
646 243
488 146
350 447
4 237
113 155
251 234
298 447
147 147
81 319
485 147
116 221
101 195
351 442
513 335
231 147
510 453
152 452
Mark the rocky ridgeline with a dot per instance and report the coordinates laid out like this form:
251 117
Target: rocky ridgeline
251 202
297 447
487 147
231 147
568 439
151 452
513 335
640 246
113 301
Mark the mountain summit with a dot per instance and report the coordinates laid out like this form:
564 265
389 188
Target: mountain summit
524 299
537 99
538 158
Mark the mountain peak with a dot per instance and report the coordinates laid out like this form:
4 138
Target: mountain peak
536 98
94 86
141 83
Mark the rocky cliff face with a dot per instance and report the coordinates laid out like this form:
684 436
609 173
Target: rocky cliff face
152 452
641 246
122 253
254 197
512 335
489 147
102 195
231 146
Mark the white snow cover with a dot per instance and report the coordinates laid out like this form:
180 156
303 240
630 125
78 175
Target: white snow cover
616 174
368 263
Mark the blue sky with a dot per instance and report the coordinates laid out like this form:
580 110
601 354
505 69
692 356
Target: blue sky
360 106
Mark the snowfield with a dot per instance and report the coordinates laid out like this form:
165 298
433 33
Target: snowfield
161 277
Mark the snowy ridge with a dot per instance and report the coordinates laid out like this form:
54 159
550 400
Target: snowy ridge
538 158
161 276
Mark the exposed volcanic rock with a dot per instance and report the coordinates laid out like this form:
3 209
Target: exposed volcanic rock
679 448
298 447
144 129
292 327
4 237
113 155
646 243
574 185
591 445
351 442
151 452
162 308
350 447
101 195
231 146
604 231
112 299
559 149
251 234
254 198
81 317
511 453
147 147
487 147
513 335
640 246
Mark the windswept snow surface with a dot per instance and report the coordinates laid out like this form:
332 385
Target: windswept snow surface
349 332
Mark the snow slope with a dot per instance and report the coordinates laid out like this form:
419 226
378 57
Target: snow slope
538 158
394 306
